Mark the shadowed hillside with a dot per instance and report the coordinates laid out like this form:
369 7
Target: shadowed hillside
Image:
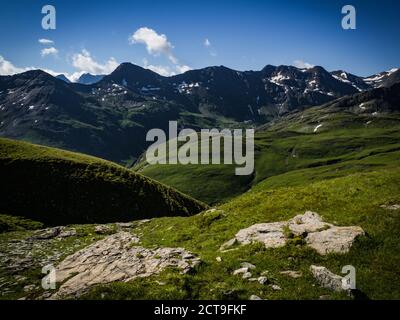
59 187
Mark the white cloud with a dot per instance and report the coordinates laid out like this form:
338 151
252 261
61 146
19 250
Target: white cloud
45 41
302 65
165 71
84 62
74 77
209 46
49 51
7 68
156 44
161 70
183 68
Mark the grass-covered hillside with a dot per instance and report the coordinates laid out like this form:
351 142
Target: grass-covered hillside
356 199
59 187
359 199
340 160
353 134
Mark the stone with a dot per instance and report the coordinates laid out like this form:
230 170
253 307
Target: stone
67 233
240 271
103 229
262 280
391 207
29 288
254 297
247 275
140 222
116 258
334 240
247 265
271 234
292 274
228 244
276 287
328 280
324 237
306 223
123 225
20 278
46 234
219 259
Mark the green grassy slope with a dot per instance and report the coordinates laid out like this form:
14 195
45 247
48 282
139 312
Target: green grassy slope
355 199
291 145
352 200
59 187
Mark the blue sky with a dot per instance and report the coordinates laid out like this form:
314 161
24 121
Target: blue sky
95 36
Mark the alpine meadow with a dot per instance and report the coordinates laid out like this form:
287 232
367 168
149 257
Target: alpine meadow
144 168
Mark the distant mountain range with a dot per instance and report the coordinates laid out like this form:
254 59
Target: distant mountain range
111 116
85 78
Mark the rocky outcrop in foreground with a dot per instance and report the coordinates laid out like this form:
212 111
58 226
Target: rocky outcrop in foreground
323 237
329 280
117 258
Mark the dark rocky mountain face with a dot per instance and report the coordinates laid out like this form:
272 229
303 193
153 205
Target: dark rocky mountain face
88 78
375 102
355 81
110 118
254 96
63 78
383 79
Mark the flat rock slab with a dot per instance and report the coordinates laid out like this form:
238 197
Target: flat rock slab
328 279
50 233
117 258
391 207
323 237
306 223
271 234
334 240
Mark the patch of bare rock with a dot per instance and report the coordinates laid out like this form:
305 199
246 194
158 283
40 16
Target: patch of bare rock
322 236
292 274
329 280
50 233
391 207
117 257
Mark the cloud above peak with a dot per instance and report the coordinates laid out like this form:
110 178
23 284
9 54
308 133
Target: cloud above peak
156 44
84 62
8 69
166 71
210 48
49 51
302 64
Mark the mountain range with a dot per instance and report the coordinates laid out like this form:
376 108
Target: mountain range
85 78
326 149
110 116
